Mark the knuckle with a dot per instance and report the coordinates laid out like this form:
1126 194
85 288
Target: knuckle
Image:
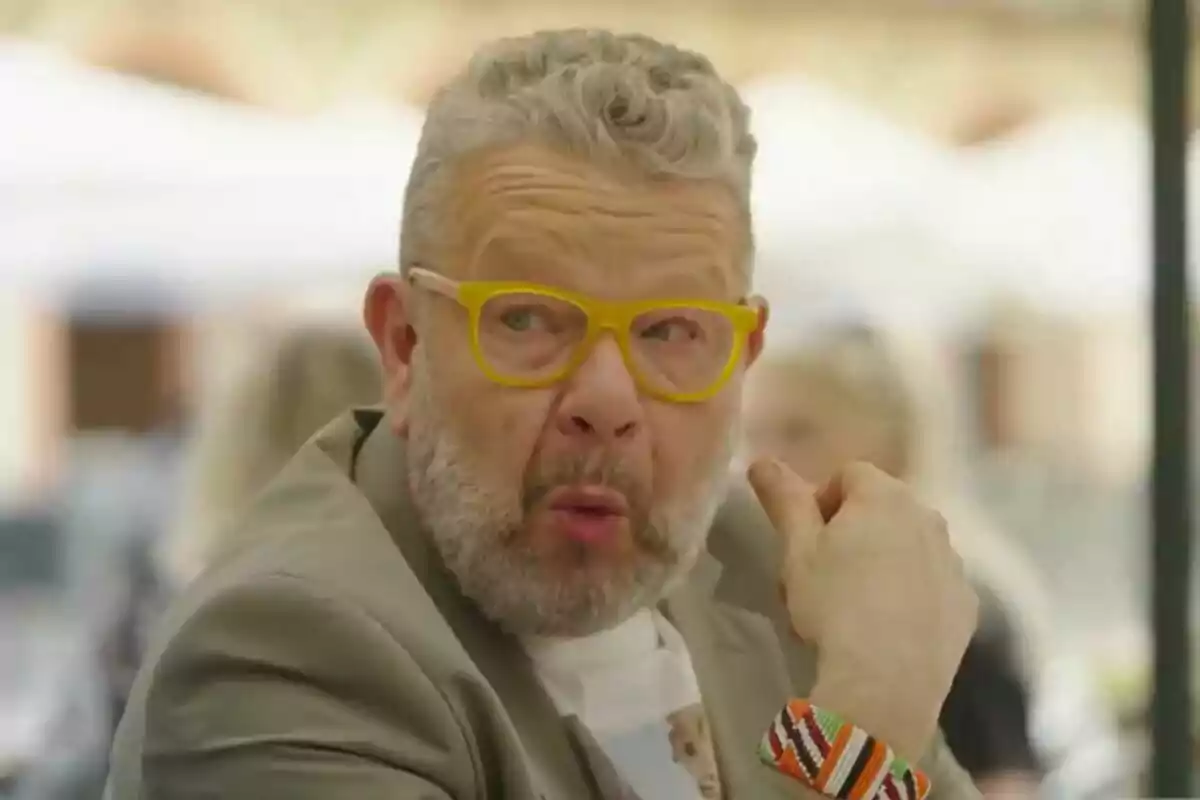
904 503
862 477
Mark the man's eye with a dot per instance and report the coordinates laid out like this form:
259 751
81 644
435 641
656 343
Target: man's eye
520 319
671 330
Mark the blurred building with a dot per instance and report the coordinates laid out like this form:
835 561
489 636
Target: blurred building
1050 52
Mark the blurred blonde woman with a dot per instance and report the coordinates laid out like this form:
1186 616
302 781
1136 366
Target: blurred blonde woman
309 375
304 377
848 393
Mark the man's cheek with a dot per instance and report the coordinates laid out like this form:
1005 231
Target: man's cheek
678 466
510 422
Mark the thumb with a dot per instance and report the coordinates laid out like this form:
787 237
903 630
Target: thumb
789 501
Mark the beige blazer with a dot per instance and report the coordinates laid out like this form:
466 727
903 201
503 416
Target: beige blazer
332 658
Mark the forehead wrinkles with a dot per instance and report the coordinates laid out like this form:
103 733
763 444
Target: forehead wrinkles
577 208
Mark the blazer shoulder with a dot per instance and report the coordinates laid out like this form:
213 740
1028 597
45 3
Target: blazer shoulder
257 667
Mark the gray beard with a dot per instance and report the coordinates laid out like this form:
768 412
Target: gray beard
478 530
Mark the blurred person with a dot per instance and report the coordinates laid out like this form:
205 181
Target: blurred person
117 501
526 574
849 393
303 378
309 374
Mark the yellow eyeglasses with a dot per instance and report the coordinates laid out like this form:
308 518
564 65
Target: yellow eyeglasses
526 335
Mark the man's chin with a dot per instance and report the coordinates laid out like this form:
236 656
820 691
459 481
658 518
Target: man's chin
594 599
574 602
574 552
538 581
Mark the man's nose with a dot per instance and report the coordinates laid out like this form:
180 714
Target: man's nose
601 400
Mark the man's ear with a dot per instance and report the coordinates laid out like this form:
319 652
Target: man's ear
387 315
758 337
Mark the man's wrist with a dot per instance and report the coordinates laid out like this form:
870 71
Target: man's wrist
903 723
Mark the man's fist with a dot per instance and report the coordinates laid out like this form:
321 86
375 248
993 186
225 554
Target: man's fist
871 580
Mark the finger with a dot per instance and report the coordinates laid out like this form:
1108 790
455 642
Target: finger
788 501
859 477
786 497
859 480
852 480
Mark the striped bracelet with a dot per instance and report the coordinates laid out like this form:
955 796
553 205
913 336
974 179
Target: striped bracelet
828 754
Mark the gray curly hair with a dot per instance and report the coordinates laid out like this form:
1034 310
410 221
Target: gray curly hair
624 100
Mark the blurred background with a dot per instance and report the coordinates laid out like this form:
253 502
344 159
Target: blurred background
180 182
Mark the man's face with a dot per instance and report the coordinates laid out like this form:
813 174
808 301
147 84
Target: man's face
563 509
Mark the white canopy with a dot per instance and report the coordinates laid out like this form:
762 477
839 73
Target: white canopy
106 178
68 123
1060 211
850 210
200 239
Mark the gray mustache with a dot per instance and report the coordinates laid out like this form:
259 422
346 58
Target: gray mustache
608 474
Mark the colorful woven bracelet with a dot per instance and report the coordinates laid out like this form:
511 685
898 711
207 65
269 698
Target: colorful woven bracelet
821 750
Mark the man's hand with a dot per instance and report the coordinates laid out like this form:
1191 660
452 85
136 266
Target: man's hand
871 580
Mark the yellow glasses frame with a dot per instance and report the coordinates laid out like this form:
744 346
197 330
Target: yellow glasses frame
615 317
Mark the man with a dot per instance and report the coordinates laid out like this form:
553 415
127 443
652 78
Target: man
518 580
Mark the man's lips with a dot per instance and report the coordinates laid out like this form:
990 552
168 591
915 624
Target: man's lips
589 513
592 500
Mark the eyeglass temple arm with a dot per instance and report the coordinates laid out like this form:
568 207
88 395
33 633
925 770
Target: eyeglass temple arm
432 281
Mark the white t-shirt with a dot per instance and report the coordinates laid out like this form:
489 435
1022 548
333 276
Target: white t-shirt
633 688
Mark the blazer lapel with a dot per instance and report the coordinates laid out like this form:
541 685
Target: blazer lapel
744 678
379 470
609 783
